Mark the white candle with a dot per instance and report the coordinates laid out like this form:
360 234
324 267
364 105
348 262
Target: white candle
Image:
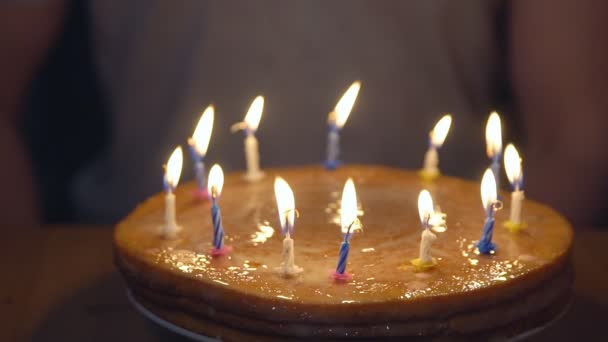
250 126
515 175
252 157
429 220
170 228
517 197
287 212
171 179
436 138
431 161
426 240
288 266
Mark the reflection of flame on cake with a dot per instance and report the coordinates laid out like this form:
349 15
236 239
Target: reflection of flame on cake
265 232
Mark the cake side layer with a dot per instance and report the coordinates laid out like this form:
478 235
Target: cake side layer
505 319
280 310
384 287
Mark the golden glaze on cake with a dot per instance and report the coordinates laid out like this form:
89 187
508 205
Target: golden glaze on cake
466 295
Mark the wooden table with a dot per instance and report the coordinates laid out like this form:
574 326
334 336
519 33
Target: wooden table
59 284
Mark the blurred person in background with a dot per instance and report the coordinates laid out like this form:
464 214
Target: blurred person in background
95 95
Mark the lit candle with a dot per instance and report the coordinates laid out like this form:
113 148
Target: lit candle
173 171
490 205
430 220
250 126
215 185
516 178
287 211
436 139
348 224
494 144
336 120
199 143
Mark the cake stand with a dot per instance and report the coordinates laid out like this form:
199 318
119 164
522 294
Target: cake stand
166 324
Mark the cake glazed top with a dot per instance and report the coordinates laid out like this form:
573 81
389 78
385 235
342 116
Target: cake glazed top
379 256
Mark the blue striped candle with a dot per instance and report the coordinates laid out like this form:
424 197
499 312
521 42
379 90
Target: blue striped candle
344 249
485 244
495 166
336 119
333 147
199 169
218 229
348 218
490 205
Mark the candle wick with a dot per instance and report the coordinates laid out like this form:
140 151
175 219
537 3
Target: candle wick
427 221
238 126
286 226
331 118
349 227
348 230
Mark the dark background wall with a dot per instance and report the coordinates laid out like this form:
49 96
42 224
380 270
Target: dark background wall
65 121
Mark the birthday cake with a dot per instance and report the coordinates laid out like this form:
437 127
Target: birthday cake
523 284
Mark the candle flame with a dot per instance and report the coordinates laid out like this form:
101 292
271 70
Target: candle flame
512 164
346 103
285 204
440 131
254 114
348 210
488 189
429 217
216 181
174 167
202 132
265 232
425 206
493 135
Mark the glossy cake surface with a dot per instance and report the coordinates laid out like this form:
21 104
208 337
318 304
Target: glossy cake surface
465 294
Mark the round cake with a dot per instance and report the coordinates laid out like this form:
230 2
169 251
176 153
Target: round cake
525 284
